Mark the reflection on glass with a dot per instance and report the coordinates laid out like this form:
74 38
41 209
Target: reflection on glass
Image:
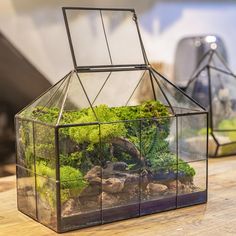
26 191
46 201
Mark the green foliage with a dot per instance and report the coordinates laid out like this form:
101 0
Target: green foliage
203 131
148 121
185 168
47 191
228 125
46 115
72 182
45 151
71 179
227 149
44 170
149 109
168 163
72 159
26 143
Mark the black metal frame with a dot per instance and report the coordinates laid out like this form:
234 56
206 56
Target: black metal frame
208 67
177 201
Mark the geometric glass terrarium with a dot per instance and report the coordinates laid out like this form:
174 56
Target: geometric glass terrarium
213 85
97 147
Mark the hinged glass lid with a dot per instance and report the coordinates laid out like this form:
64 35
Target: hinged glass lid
104 37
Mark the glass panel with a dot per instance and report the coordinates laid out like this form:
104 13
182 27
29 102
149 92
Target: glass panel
26 199
94 83
160 96
44 137
212 145
227 149
98 37
122 161
25 145
118 25
192 137
75 101
79 197
198 89
223 100
218 62
192 179
159 175
144 90
46 201
123 81
80 175
88 38
50 99
204 61
175 97
225 137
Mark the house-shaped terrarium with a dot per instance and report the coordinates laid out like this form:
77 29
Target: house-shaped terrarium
213 85
109 141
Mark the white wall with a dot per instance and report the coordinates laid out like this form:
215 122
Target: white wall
172 21
37 29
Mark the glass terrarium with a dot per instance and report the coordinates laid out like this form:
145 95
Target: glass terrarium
110 140
213 85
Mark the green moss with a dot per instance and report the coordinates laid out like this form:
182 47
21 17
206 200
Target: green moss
80 146
72 182
44 170
229 124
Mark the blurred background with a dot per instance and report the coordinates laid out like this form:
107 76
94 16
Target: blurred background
34 50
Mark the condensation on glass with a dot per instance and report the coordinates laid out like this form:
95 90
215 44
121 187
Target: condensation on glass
76 169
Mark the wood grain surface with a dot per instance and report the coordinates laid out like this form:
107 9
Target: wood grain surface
216 218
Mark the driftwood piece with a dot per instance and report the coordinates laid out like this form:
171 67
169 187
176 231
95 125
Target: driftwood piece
129 147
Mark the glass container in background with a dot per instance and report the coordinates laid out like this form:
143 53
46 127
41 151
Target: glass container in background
213 85
188 53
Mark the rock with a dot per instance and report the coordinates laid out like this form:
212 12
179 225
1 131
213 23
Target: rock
131 192
119 166
88 203
132 179
186 188
156 189
108 200
92 205
93 176
45 210
113 185
172 184
70 207
131 186
91 190
114 169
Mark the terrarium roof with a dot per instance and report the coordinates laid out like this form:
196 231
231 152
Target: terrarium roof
78 91
213 60
110 67
213 85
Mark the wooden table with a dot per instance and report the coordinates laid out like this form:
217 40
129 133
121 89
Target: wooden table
216 218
